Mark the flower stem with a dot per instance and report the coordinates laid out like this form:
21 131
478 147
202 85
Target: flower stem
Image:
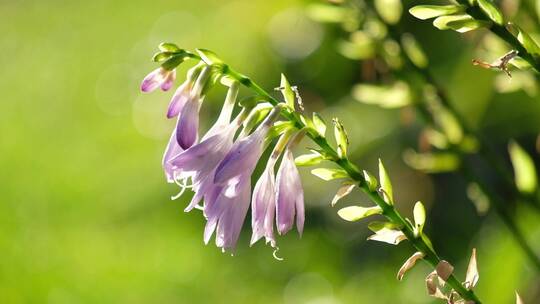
354 173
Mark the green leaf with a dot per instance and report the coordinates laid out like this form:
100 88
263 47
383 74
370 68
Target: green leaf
524 170
355 213
396 95
378 226
161 56
432 162
371 181
288 93
168 47
419 213
528 43
257 114
319 124
346 188
389 10
329 174
173 61
386 185
308 159
491 11
459 23
341 137
413 50
389 236
360 46
327 13
449 125
209 57
431 11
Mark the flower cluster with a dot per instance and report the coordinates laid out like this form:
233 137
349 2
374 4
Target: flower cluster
219 166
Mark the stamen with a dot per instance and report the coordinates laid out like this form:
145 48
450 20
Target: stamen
274 254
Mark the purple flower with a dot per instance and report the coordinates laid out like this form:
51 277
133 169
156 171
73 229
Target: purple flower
290 195
179 99
159 77
172 150
263 204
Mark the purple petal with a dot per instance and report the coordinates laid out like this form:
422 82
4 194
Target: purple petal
242 158
153 80
263 207
290 196
172 150
187 128
169 81
179 99
232 219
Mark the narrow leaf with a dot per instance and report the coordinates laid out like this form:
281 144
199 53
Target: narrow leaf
519 300
389 236
161 56
209 57
395 95
376 226
414 51
355 213
432 162
491 11
345 189
524 170
386 185
389 10
431 11
341 137
409 264
168 47
319 124
308 159
472 272
419 213
466 25
530 45
329 174
370 180
287 92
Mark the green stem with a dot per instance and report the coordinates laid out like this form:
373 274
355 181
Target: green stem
354 173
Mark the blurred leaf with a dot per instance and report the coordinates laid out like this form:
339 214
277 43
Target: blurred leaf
435 138
449 125
168 47
459 23
308 159
523 80
209 57
355 213
491 11
329 174
419 212
413 50
409 264
524 170
387 96
389 10
432 162
319 124
389 236
431 11
391 53
360 46
341 137
326 12
519 300
472 272
386 185
370 180
478 198
345 189
287 92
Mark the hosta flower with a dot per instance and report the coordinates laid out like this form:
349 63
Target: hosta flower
173 149
263 204
290 195
159 77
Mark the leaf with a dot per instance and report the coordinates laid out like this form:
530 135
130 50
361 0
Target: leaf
209 57
444 270
472 272
431 11
360 46
371 181
173 61
341 137
327 13
409 264
287 92
329 174
345 189
386 185
459 23
419 212
161 56
414 51
432 162
389 10
491 11
168 47
308 159
449 125
320 125
478 198
528 43
355 213
524 170
433 286
395 95
389 236
377 226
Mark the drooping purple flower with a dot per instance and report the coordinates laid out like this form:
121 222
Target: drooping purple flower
290 195
159 77
173 149
179 99
263 205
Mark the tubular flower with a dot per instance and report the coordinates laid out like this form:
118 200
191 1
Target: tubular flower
159 77
290 194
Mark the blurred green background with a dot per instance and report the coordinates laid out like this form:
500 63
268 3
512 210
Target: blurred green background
86 215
